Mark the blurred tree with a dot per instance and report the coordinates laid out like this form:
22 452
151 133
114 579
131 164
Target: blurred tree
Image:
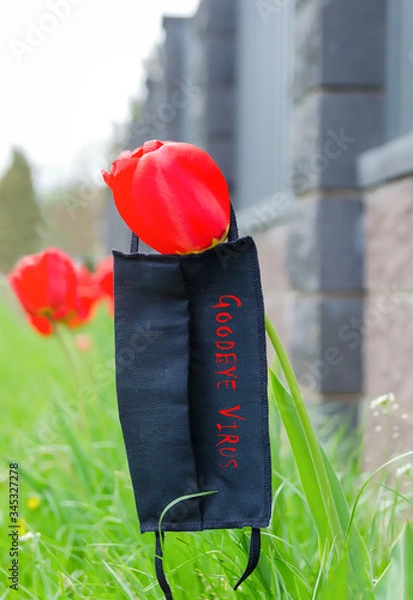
74 219
20 215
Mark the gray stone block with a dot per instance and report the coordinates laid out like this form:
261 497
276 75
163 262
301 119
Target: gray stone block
222 151
340 227
331 130
325 246
327 360
342 354
220 111
305 339
303 246
308 58
351 124
220 60
339 44
306 144
218 16
353 42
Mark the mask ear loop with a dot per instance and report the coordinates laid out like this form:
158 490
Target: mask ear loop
160 573
233 226
254 556
232 234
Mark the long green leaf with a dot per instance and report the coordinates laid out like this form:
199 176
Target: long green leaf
304 459
357 575
320 483
327 520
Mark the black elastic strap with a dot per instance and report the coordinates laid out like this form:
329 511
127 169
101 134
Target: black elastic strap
232 234
255 550
134 245
233 227
160 573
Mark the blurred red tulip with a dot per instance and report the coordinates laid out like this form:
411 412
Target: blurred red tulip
104 277
46 285
172 195
88 291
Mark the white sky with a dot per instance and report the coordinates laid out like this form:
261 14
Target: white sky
66 92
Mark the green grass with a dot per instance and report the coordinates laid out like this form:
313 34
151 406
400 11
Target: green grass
59 422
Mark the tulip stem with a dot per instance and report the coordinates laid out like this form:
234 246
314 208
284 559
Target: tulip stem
68 354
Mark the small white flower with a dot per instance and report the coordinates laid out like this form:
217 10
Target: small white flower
28 536
376 413
405 416
382 400
407 469
395 406
378 428
395 435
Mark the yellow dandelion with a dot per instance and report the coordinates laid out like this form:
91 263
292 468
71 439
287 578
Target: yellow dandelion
22 527
33 502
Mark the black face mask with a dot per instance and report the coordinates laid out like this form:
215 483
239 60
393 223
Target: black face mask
191 376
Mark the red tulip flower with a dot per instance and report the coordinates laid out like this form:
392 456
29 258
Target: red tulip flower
104 278
88 292
172 195
46 285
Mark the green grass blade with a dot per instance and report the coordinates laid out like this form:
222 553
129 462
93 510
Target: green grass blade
397 579
177 501
396 493
365 484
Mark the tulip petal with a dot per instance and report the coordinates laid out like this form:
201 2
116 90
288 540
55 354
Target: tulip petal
41 324
104 276
151 146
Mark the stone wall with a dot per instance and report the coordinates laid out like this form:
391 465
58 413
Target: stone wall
338 115
387 326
